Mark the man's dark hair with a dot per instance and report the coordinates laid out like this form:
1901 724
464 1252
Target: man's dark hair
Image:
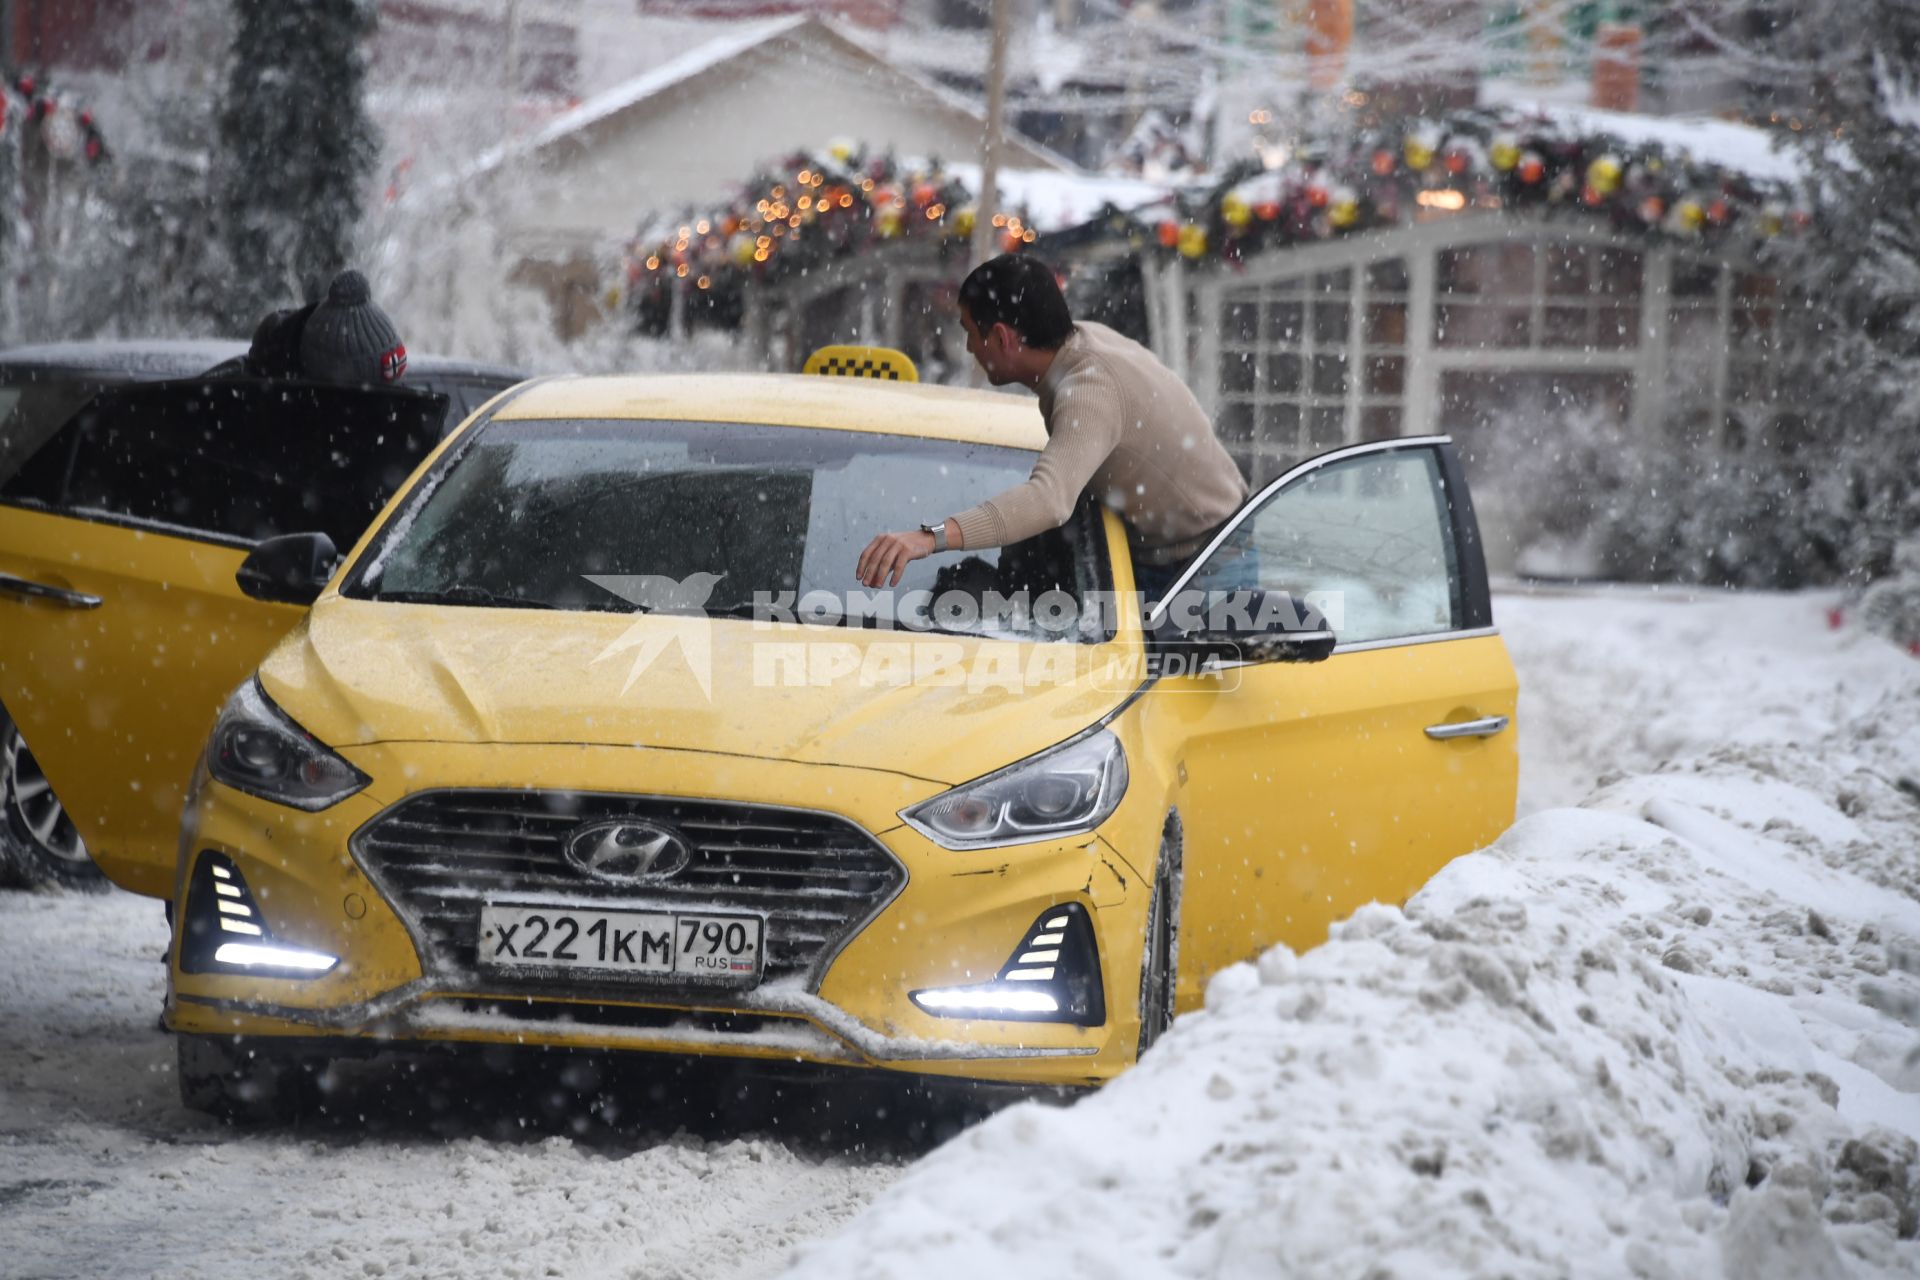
1018 289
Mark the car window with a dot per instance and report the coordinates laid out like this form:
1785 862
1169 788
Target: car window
526 511
464 393
34 405
234 460
1367 539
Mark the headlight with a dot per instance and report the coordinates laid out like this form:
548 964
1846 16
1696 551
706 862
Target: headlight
258 750
1064 790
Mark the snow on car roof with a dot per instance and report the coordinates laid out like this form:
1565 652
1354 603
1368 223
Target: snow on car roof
159 357
179 357
790 400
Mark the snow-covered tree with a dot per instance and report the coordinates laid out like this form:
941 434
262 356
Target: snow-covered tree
297 148
1845 81
125 249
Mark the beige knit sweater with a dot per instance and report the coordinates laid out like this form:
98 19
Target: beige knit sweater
1120 425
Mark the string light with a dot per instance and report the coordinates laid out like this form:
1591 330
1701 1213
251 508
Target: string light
720 251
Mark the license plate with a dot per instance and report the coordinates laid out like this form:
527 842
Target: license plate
702 946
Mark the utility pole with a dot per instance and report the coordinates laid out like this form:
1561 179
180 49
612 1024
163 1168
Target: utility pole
988 203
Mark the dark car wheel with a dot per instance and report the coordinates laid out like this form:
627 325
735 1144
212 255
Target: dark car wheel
38 842
1160 962
245 1081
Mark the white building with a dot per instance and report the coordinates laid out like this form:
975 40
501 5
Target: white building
692 130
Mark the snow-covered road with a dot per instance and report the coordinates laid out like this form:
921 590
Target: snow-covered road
102 1173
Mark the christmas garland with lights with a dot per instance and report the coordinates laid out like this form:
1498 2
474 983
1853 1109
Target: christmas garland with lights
796 216
814 208
1477 159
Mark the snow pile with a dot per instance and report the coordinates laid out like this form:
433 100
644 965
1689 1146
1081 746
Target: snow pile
1891 606
1615 680
1638 1038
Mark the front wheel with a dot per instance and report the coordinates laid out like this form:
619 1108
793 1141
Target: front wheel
39 844
1160 957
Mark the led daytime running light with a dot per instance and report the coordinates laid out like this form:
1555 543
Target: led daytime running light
986 1000
253 954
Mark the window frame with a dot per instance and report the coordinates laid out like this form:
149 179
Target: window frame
1466 554
1087 520
73 437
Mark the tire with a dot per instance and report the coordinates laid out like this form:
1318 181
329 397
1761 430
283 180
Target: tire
1160 952
245 1082
38 843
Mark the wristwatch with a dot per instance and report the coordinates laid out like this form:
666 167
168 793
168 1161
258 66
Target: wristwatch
939 532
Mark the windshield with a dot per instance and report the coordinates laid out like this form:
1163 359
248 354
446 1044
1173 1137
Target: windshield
721 517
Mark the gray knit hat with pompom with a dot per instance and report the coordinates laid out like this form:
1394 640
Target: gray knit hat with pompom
349 339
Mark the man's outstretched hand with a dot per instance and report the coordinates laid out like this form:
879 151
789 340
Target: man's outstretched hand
887 557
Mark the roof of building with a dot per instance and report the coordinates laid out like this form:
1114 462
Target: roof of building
1738 146
725 48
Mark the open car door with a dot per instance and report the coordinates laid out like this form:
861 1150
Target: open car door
122 629
1318 787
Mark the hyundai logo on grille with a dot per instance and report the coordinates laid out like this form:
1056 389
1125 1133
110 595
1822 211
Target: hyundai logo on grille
623 852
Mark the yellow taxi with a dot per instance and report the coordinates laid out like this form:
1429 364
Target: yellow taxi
593 741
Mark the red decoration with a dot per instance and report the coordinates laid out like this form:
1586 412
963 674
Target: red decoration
1317 196
1383 162
1168 233
27 85
1718 212
1532 169
924 194
1267 210
1457 161
1592 197
1652 209
86 119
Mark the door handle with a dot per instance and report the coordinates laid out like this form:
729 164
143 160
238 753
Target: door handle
29 589
1484 727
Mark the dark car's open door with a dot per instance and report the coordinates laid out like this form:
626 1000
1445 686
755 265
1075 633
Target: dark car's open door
121 626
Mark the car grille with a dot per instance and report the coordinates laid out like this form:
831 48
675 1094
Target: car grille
816 877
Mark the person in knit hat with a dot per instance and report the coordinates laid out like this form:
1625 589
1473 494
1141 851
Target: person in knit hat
345 338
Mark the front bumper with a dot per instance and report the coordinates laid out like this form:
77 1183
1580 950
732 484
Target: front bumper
954 922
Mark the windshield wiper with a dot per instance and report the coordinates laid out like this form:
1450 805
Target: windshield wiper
462 593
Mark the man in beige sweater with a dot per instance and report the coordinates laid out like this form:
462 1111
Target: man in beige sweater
1119 425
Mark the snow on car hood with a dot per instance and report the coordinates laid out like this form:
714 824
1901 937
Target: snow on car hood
358 672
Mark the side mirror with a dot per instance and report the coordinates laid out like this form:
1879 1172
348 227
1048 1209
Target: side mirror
1247 625
290 569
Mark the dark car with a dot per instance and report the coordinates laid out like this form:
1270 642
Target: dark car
136 441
